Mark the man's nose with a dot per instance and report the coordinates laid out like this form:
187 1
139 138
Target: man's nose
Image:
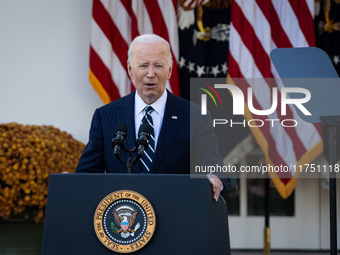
151 72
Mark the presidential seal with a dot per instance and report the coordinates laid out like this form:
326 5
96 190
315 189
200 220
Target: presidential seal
124 221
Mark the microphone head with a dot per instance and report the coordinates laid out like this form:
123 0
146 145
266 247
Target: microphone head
121 127
118 140
146 128
143 138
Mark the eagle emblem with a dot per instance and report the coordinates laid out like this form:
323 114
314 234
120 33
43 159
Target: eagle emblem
125 217
122 223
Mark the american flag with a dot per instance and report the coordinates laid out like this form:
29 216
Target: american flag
257 27
115 23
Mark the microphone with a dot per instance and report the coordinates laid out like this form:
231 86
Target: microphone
119 138
142 142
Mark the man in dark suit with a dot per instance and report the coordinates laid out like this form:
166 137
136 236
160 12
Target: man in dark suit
177 134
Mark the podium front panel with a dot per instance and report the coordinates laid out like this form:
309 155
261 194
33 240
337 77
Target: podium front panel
181 204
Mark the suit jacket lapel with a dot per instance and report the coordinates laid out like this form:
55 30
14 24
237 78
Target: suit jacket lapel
126 115
173 116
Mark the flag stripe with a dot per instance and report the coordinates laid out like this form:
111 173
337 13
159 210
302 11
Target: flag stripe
243 27
269 133
102 46
280 37
142 16
160 28
305 18
278 34
273 154
257 27
156 18
115 23
290 23
103 75
190 4
169 14
234 67
299 147
282 41
253 14
120 18
134 26
119 46
112 48
263 62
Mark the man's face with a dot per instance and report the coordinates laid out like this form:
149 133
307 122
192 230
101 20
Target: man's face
150 70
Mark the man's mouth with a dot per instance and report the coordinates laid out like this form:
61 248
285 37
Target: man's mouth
150 84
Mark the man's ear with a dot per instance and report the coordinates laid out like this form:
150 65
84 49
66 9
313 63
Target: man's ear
129 67
170 71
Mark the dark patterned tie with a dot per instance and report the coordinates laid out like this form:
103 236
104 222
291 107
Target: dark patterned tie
149 153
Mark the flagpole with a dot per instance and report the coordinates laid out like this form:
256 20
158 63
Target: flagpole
266 232
331 123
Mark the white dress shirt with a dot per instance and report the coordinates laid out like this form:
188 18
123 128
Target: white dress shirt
157 115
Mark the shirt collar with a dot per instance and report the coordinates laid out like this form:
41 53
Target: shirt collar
158 106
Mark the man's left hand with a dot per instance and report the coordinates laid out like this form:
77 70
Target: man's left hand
216 185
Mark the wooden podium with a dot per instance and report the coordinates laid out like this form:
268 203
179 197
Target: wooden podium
188 221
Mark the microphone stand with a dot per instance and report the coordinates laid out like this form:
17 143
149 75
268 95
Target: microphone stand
130 163
117 154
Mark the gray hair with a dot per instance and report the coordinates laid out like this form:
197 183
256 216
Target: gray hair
148 38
